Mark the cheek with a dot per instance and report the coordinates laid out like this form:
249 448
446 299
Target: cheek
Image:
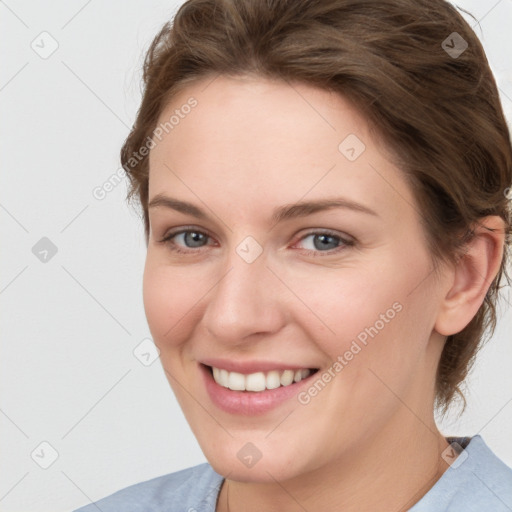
168 303
367 314
343 302
375 351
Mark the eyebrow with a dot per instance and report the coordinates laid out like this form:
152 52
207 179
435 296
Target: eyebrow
281 213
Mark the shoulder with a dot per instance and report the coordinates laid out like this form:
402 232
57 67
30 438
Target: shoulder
477 480
193 489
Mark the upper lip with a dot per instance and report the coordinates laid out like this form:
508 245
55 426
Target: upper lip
247 367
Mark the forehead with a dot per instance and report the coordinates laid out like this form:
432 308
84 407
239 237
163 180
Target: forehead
270 142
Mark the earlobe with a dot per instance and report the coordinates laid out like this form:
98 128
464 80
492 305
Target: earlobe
472 276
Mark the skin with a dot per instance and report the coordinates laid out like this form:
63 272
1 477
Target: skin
368 441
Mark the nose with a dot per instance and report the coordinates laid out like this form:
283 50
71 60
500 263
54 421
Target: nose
248 299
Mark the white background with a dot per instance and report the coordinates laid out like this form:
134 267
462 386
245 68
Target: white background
68 375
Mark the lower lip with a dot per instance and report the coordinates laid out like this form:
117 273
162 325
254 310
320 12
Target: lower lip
249 403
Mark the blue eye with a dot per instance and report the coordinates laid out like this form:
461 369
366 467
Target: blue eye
324 242
190 236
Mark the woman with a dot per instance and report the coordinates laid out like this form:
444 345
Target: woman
324 190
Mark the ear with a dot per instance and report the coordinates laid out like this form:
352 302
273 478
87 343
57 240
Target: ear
472 276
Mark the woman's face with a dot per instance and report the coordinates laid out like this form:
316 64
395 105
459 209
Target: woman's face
262 281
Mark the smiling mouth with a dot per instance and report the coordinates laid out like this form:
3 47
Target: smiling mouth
259 381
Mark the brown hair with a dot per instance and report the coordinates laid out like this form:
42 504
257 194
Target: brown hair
439 113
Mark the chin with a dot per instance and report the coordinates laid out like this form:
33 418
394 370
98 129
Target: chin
244 462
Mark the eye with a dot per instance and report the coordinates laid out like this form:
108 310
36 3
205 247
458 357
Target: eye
325 242
322 242
189 238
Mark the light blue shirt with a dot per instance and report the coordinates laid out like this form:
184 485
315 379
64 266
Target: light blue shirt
477 481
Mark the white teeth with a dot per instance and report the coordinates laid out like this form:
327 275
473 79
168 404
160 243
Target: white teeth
223 378
287 377
273 380
255 382
236 381
258 381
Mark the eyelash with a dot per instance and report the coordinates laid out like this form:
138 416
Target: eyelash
167 240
